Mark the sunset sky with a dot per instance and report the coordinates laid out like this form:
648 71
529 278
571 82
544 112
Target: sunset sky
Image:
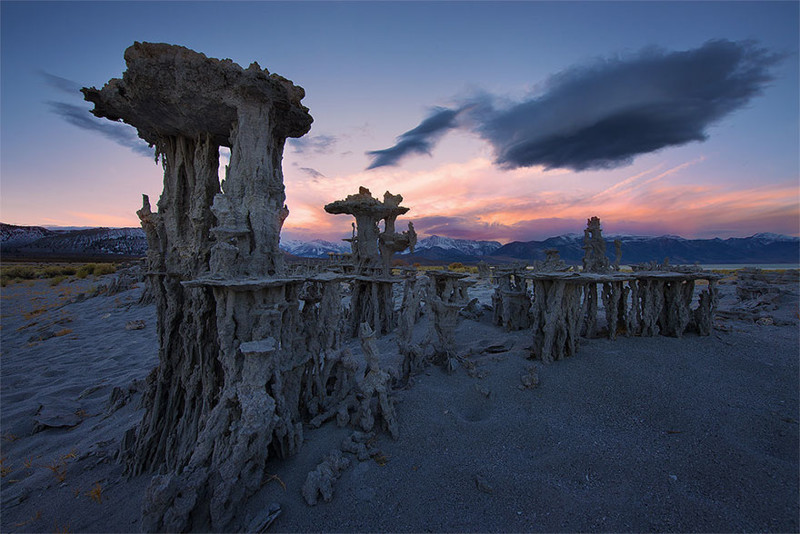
503 121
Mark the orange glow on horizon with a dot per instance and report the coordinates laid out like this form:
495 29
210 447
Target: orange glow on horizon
482 202
476 200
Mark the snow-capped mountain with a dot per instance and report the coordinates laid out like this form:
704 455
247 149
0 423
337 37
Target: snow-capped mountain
124 241
759 248
319 248
18 236
316 248
467 247
769 237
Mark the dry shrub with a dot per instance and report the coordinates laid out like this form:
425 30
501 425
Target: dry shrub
59 470
37 516
5 469
95 269
104 268
85 270
22 272
57 270
96 493
34 313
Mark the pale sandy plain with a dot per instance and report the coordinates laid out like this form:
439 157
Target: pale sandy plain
637 434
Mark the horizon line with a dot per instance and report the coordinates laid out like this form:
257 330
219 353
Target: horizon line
423 235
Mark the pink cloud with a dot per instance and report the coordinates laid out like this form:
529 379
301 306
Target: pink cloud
475 200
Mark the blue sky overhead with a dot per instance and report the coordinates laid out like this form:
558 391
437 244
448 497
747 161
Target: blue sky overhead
374 71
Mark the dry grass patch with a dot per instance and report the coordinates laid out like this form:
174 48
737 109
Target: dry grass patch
37 516
57 273
96 493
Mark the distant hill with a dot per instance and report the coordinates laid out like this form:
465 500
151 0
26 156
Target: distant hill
18 236
759 248
466 247
316 248
432 247
36 240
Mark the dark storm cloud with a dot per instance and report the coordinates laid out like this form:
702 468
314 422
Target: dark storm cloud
420 140
313 144
604 114
116 131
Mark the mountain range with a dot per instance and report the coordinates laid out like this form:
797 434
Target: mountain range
38 240
759 248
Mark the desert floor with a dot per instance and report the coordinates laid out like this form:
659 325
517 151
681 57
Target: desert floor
636 434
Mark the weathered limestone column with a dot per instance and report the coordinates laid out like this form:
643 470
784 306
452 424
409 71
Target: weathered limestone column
594 257
413 294
591 305
615 301
233 351
372 300
511 301
254 188
390 241
557 314
447 295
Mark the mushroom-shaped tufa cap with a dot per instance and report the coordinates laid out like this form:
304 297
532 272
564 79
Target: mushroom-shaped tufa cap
170 90
364 203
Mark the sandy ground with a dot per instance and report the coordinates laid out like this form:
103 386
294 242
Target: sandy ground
636 434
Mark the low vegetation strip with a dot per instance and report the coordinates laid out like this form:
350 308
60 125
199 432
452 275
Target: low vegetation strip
56 272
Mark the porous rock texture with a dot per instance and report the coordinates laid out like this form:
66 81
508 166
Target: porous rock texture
557 315
375 388
414 291
446 296
484 271
319 482
552 262
372 300
511 300
646 303
245 352
594 256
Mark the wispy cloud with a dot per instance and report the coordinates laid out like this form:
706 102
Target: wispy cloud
419 140
530 203
76 115
118 132
62 84
313 173
313 144
604 114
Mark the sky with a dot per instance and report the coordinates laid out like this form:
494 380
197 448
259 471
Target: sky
495 121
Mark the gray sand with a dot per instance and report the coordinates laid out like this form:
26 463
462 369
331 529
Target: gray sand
637 434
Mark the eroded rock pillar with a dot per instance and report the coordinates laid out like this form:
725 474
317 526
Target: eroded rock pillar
372 300
228 391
